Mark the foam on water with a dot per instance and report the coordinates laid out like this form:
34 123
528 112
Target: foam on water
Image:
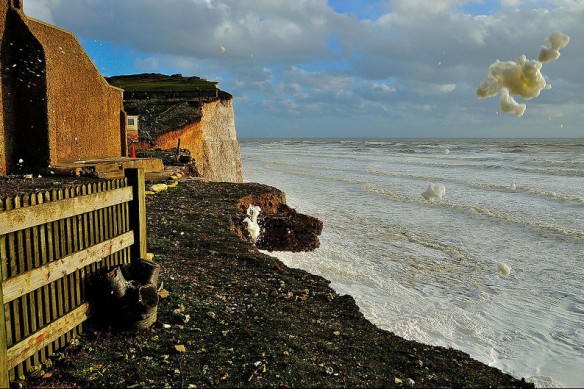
427 271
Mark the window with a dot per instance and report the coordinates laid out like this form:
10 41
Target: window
131 122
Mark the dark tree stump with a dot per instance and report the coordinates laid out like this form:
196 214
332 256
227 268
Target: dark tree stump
146 307
129 296
142 271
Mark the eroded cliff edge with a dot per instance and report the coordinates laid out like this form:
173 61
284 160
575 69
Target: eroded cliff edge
244 318
191 109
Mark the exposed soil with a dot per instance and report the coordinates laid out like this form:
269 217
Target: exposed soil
237 317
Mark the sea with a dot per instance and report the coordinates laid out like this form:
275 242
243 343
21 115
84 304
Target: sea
495 267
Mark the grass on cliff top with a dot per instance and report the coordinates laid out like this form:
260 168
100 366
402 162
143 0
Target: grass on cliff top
145 85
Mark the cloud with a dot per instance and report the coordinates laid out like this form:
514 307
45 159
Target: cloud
267 29
150 64
436 89
405 57
40 9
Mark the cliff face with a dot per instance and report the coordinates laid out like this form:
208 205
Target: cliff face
220 142
189 108
212 141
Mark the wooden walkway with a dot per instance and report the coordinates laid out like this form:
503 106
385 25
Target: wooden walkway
109 167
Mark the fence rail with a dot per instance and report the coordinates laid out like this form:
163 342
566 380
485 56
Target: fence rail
51 243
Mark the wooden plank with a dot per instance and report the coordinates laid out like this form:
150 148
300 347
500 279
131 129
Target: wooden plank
105 212
93 235
45 303
59 241
137 208
53 271
76 191
85 244
70 302
51 258
11 267
99 225
27 347
108 213
20 313
19 219
31 242
4 376
126 220
66 250
115 215
3 250
5 332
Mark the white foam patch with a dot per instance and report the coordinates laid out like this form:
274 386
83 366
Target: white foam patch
503 268
434 192
521 77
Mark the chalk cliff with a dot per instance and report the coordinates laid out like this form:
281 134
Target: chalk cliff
212 141
191 109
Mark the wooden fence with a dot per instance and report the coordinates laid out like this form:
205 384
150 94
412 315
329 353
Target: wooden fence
50 245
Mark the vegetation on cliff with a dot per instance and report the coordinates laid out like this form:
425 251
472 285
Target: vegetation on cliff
149 82
165 103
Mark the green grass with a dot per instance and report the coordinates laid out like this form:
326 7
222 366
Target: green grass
167 85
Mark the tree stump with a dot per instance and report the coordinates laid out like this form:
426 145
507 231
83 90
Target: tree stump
129 294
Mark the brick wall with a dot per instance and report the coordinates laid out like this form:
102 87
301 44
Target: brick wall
56 106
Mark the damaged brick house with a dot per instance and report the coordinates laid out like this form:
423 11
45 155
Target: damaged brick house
56 107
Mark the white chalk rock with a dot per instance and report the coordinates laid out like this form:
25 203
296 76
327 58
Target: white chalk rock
158 187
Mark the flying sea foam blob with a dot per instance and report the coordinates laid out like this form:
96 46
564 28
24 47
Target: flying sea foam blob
522 77
433 192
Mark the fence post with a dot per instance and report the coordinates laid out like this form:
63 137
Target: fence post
4 379
137 208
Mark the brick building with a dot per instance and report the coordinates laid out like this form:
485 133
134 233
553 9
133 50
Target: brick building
56 107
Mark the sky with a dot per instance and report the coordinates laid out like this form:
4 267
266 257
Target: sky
345 68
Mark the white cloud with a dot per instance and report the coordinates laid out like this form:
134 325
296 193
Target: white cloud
436 89
384 88
426 55
150 64
40 9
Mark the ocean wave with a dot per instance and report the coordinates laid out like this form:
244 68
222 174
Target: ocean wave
508 188
538 192
551 171
557 162
451 165
542 227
